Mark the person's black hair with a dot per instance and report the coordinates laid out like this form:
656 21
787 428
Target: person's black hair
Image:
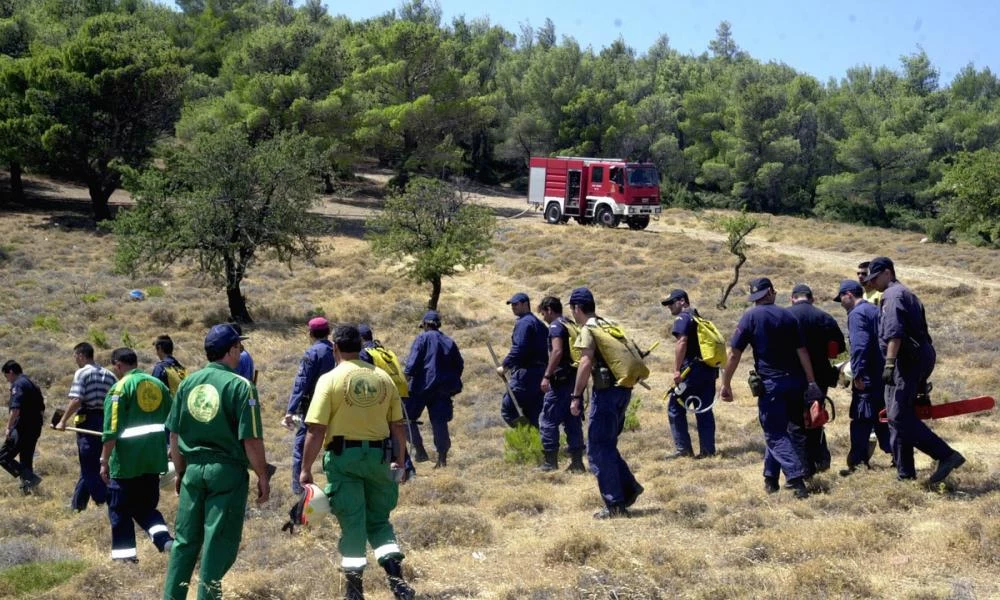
125 355
215 354
347 338
586 306
864 265
164 343
552 303
319 334
11 366
85 349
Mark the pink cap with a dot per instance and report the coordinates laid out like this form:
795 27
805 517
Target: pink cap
318 323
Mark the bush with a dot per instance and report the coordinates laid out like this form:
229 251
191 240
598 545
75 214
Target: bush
938 231
98 338
427 528
37 577
47 322
91 298
574 549
155 291
632 415
522 445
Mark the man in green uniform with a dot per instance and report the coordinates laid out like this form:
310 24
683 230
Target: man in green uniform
353 410
133 455
215 432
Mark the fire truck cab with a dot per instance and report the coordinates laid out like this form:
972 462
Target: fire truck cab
605 191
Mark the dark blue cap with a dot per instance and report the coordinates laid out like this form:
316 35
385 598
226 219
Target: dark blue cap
877 265
802 290
221 337
581 295
674 296
432 316
518 298
759 288
849 285
366 331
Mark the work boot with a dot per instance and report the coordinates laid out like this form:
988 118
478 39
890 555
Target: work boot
419 454
576 462
30 483
615 511
680 454
946 466
442 460
771 485
551 462
354 586
394 571
631 497
799 485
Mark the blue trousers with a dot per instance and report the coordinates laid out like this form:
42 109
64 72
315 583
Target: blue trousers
440 410
135 499
27 440
527 387
780 411
906 431
90 485
607 419
297 445
865 407
702 386
555 412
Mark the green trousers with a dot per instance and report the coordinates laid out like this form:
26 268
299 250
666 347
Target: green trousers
209 523
362 494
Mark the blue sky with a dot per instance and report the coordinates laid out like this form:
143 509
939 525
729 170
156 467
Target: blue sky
820 37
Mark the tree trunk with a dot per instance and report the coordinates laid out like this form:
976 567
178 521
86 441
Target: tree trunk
99 196
16 184
736 277
237 304
432 304
327 183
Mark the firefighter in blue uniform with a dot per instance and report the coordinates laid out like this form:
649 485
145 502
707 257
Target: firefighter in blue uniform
909 362
824 340
434 371
699 382
557 383
316 361
525 363
24 425
867 362
780 358
606 415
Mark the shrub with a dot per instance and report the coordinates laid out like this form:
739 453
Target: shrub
522 445
427 528
98 338
91 298
155 291
632 415
127 339
47 322
37 577
574 549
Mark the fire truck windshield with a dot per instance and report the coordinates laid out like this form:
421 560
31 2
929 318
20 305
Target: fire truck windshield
643 177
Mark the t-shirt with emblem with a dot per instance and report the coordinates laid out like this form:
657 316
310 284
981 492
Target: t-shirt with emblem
134 412
214 411
357 401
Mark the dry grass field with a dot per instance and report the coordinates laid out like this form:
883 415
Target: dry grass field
482 528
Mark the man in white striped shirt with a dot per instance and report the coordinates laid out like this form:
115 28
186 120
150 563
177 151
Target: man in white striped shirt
86 407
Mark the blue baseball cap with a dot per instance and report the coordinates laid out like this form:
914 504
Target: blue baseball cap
759 288
221 337
518 298
877 265
366 331
431 316
581 295
849 285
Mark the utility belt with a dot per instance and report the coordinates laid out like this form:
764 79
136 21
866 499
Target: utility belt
338 443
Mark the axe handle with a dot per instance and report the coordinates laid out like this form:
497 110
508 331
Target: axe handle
84 431
506 384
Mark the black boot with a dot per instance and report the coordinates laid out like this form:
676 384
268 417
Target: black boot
442 460
354 589
394 571
576 463
419 454
551 462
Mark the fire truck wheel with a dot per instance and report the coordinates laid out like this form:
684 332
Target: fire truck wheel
552 213
637 223
605 217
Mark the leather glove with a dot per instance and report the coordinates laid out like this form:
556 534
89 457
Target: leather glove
813 393
889 371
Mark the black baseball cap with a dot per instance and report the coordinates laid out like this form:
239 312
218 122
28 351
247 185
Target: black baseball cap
877 265
674 296
759 288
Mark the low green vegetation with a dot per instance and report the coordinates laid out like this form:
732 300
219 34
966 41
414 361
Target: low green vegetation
23 581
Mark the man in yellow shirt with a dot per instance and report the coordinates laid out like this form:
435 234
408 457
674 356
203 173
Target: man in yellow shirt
353 411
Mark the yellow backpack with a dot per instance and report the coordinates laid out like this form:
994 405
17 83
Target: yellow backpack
574 331
175 375
711 344
386 360
620 353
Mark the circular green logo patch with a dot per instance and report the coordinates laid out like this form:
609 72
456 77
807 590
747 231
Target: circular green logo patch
203 402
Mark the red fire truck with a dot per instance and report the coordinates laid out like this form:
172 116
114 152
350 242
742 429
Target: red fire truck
605 191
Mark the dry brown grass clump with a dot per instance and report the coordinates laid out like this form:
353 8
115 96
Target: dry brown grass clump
575 549
428 527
